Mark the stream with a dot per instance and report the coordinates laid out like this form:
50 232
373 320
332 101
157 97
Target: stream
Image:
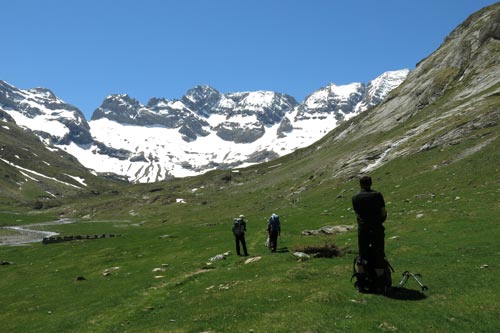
25 234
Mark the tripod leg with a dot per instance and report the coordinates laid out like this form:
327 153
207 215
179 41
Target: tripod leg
406 275
418 281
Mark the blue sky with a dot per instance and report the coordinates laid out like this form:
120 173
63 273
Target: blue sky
86 50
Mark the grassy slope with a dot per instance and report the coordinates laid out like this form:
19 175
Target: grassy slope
447 239
19 192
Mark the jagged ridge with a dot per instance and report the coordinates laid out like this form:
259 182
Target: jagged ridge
203 130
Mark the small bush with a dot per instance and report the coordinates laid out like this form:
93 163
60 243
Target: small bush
327 250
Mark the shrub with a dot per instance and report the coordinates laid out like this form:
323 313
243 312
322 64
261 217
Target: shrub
327 250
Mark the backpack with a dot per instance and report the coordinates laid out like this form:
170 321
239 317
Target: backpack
238 227
274 223
366 278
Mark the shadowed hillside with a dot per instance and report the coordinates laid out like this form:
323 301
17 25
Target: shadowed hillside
35 177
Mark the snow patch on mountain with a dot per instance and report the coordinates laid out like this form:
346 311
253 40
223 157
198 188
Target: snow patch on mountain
37 174
157 153
40 123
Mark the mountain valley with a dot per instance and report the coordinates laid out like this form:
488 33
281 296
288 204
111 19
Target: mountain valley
431 145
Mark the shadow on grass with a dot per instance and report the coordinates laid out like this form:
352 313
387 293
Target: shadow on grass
404 294
282 250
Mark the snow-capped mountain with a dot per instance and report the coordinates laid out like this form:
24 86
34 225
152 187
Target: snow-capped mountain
203 130
42 112
191 115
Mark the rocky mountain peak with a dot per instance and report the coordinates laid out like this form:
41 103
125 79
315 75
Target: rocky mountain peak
156 103
43 92
202 99
120 102
118 107
380 87
268 107
45 114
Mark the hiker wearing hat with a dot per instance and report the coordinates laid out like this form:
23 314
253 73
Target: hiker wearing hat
239 229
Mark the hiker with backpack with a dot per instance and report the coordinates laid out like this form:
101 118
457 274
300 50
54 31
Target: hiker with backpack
239 228
373 273
273 230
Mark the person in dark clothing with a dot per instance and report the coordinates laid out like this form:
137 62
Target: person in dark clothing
239 229
371 214
273 230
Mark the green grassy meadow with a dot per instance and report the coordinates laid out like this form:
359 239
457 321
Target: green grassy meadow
441 187
451 239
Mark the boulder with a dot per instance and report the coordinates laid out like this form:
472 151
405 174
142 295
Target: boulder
253 259
108 271
329 230
301 255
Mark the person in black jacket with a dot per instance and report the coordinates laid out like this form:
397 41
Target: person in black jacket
239 228
371 214
273 230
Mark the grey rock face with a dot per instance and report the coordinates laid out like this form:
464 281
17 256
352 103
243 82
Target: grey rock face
202 99
120 108
232 131
285 127
454 86
158 112
120 154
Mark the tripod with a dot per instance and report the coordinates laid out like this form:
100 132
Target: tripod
407 275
